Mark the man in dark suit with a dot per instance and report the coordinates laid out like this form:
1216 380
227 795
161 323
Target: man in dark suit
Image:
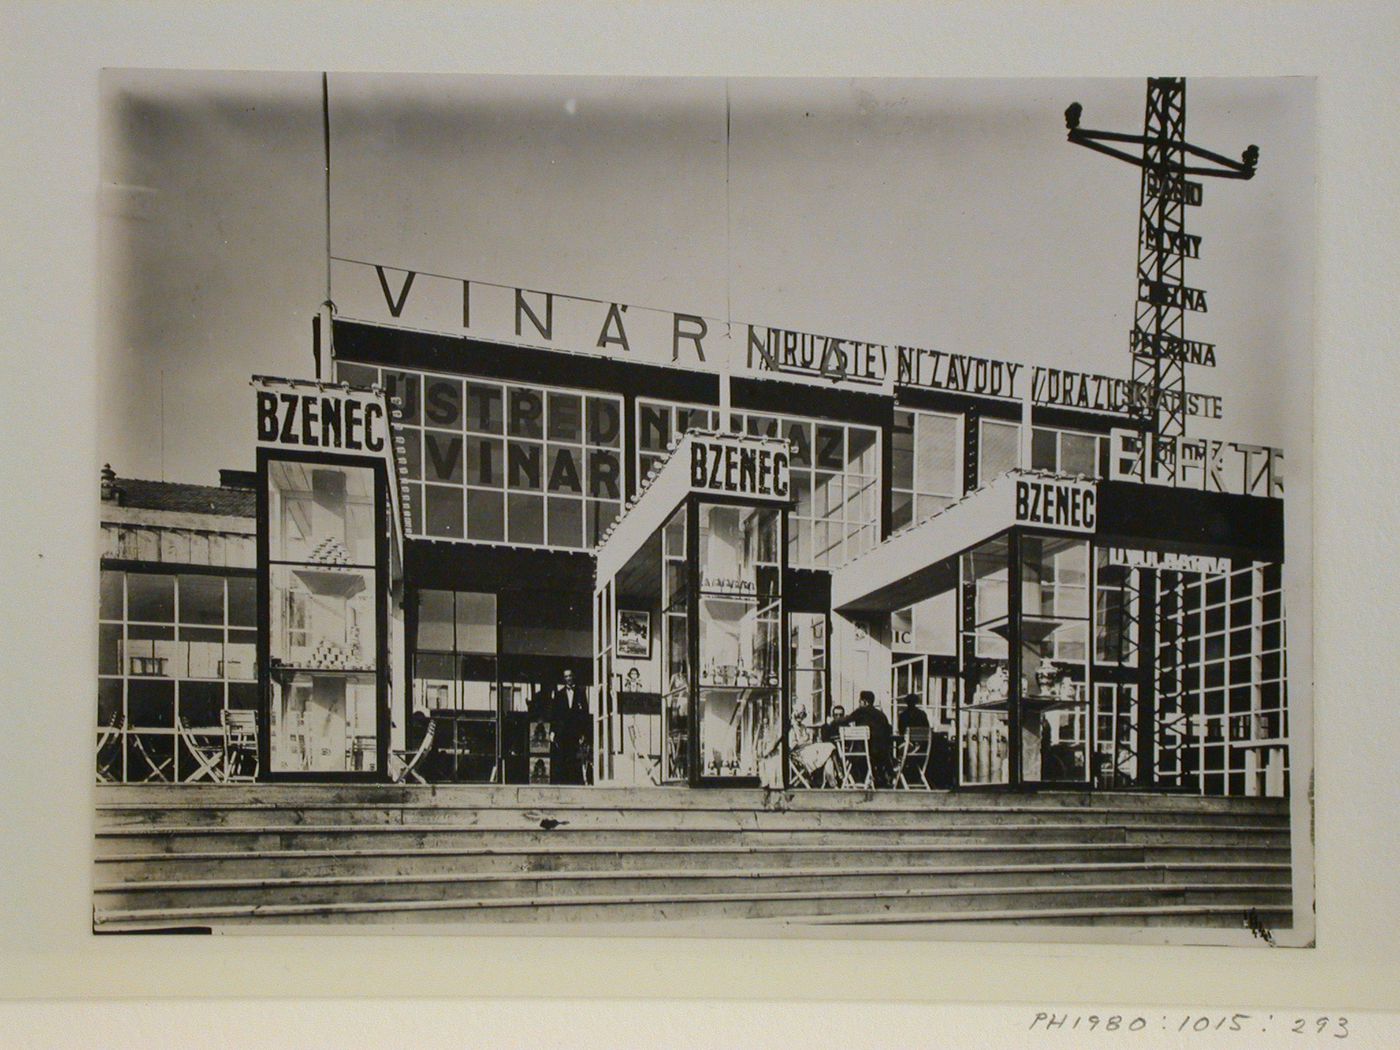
572 726
881 736
911 714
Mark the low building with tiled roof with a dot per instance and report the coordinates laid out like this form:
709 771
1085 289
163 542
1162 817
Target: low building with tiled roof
178 523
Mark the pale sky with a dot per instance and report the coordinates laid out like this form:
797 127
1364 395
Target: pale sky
948 214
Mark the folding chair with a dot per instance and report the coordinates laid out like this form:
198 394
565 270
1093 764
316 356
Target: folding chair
408 759
157 768
240 745
915 752
798 774
106 735
653 762
853 743
206 746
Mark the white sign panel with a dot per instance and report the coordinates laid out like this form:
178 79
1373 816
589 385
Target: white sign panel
736 467
1132 558
1057 503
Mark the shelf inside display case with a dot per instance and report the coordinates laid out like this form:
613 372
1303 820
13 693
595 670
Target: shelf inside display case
1033 631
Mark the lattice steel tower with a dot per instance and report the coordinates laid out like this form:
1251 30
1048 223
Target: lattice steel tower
1160 611
1158 343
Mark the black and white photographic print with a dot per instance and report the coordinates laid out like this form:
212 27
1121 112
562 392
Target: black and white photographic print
706 506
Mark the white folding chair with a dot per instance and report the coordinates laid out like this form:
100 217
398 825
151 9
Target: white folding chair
653 768
853 745
106 736
157 767
206 747
914 754
403 764
240 745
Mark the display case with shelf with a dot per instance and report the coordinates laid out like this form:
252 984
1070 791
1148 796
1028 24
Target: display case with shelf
323 589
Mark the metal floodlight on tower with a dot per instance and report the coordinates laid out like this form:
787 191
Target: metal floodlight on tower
1158 341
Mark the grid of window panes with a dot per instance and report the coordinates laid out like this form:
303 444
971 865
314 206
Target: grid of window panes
455 680
1069 452
503 462
836 482
1116 611
1115 735
661 422
807 667
1233 680
172 647
998 449
835 474
926 465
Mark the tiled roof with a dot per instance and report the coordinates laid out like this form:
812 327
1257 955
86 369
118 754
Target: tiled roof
186 499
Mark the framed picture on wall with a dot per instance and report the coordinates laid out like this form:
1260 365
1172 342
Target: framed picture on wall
633 634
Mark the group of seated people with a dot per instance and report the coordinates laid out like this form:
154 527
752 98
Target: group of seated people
815 747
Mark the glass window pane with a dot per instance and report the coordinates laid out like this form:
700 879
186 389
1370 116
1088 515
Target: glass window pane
201 703
485 408
476 622
242 601
861 451
1043 449
604 474
151 704
1000 449
936 454
830 452
525 518
486 514
435 621
356 375
799 435
444 511
565 417
110 606
109 645
442 456
653 427
524 465
150 597
1079 454
525 415
604 422
201 599
565 470
442 402
600 516
109 700
485 462
565 522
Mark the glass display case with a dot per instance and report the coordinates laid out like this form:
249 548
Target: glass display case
1024 710
704 701
323 595
738 634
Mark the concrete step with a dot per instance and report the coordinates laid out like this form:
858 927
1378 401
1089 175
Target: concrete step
448 860
749 904
111 841
664 882
722 799
946 815
1178 915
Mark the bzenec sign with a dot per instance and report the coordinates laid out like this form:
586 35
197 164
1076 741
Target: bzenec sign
739 468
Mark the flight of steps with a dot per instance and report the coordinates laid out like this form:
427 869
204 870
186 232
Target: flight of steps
209 856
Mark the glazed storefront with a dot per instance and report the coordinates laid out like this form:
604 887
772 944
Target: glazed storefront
702 556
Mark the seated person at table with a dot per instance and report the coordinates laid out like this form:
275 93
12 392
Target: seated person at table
911 714
881 736
807 751
828 729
